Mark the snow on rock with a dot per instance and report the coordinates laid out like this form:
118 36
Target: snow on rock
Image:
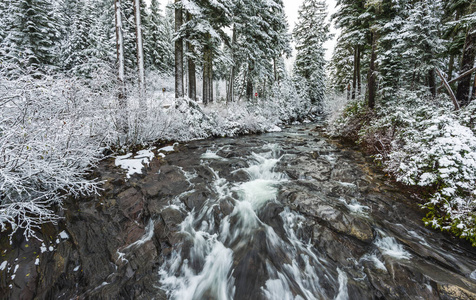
134 164
63 235
275 128
168 148
3 265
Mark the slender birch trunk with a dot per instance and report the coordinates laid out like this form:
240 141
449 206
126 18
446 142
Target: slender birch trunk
179 88
122 121
140 50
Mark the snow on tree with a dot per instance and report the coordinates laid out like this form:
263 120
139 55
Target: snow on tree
32 36
140 49
158 35
261 39
310 33
179 87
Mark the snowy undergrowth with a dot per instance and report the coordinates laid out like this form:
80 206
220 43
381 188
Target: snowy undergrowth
425 143
45 149
54 130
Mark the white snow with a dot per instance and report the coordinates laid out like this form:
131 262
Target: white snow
168 148
275 128
15 271
37 262
3 265
63 235
134 164
76 268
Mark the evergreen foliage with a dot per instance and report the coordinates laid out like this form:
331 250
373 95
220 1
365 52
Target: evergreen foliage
413 129
310 33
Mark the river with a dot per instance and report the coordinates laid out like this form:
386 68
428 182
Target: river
285 215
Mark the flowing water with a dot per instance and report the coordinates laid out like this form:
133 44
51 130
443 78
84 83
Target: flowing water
284 215
289 215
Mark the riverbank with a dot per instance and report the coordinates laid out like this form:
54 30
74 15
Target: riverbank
427 147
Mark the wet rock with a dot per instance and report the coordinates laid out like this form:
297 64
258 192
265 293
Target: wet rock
447 292
338 248
250 273
334 218
269 214
226 206
168 183
196 199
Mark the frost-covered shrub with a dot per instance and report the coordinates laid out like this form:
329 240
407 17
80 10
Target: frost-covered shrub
441 153
425 143
45 148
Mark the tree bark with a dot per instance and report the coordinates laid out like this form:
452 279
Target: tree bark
359 82
121 96
207 74
192 79
354 77
140 51
178 52
230 95
448 88
432 82
451 67
249 82
372 72
467 62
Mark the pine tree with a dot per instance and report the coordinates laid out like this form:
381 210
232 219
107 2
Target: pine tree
261 38
77 44
204 30
33 35
310 33
158 35
353 20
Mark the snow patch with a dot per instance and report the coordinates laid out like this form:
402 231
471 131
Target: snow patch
63 235
3 265
134 164
275 128
168 148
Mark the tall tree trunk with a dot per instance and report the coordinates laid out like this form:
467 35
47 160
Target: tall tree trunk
140 51
432 82
192 79
359 81
230 94
207 74
354 77
451 67
178 52
467 62
275 70
473 96
121 96
371 85
249 81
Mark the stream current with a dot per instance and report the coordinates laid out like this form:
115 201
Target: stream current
291 215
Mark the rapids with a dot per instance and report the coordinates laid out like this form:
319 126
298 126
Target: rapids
284 215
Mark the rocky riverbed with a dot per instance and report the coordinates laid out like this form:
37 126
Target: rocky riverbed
286 215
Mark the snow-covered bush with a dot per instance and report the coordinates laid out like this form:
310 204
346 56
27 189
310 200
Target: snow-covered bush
439 152
423 142
45 148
